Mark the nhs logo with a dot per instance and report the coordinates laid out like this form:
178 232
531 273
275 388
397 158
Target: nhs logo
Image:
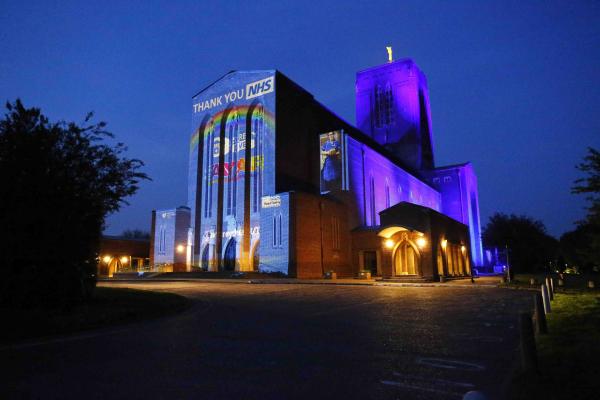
259 88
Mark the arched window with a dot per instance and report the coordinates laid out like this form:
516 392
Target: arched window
231 163
387 193
372 193
256 164
208 137
383 111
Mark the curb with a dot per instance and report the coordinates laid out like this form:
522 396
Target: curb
275 282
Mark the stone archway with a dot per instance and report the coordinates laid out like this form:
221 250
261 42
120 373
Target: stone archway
255 256
205 260
229 256
406 259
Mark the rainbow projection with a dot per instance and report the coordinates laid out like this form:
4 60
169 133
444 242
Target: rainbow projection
232 162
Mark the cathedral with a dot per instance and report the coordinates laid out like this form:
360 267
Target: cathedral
278 183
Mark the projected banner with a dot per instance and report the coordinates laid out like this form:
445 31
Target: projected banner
333 161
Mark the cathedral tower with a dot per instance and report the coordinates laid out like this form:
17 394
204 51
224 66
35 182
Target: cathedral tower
392 106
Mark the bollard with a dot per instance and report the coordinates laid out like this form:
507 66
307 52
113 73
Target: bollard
561 282
546 298
541 327
532 281
549 288
528 351
591 284
552 286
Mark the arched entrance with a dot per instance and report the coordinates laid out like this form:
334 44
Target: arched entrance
229 256
204 259
114 266
406 259
440 261
255 256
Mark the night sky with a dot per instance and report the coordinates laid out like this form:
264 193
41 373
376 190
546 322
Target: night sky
514 85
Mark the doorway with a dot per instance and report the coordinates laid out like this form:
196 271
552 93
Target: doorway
229 257
406 259
370 262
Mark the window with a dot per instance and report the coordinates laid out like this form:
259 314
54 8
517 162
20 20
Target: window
208 168
383 111
274 231
277 229
387 194
373 214
256 163
162 240
231 164
447 179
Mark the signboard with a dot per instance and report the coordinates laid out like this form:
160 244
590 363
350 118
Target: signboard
271 201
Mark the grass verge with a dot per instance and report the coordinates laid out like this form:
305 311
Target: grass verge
569 355
110 306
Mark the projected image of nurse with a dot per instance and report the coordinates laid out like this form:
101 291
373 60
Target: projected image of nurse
331 162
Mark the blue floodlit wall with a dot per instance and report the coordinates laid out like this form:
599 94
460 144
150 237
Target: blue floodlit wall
241 108
376 184
460 201
275 234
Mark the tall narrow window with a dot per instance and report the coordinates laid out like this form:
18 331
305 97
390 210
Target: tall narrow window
383 111
387 194
256 166
208 168
274 231
372 190
279 231
231 164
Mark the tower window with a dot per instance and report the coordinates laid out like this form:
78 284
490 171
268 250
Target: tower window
383 111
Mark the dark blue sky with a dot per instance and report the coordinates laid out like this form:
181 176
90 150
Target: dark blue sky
514 85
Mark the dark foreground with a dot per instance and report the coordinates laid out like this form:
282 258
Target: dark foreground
285 341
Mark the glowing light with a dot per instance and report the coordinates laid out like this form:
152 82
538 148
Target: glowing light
389 51
421 242
180 248
389 243
107 259
463 248
444 244
124 260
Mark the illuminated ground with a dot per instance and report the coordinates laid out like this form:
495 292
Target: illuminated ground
285 341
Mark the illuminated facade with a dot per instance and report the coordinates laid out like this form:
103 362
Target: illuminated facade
278 183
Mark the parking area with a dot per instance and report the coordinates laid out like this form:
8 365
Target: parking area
274 341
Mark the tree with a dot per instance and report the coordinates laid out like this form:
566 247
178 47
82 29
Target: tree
135 234
590 184
530 247
581 246
58 182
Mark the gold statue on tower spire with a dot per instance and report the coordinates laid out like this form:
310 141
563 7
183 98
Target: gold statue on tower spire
389 50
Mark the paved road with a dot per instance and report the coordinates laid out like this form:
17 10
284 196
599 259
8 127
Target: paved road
243 341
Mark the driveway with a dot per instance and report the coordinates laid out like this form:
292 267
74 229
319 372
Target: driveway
285 341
